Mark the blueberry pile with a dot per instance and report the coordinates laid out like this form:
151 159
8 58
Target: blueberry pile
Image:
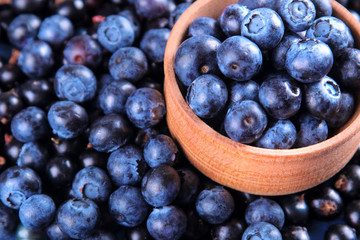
273 74
85 152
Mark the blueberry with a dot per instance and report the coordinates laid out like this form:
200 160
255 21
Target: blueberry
190 186
29 125
239 58
295 233
341 232
245 121
53 232
128 206
207 96
196 56
36 59
160 150
231 18
78 217
12 149
311 130
8 221
279 52
126 166
145 107
23 29
261 231
144 135
297 15
82 49
55 30
153 43
128 63
309 60
18 184
130 14
10 76
76 83
323 8
280 96
265 210
264 27
137 233
151 8
109 132
36 92
331 31
281 135
347 182
91 157
205 26
323 98
71 147
115 32
60 171
24 233
258 4
247 90
74 10
29 6
229 230
33 155
166 223
347 67
296 209
37 212
352 214
93 183
160 186
215 204
10 104
67 119
174 15
112 98
325 203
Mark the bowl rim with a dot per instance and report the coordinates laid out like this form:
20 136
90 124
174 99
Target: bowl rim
174 41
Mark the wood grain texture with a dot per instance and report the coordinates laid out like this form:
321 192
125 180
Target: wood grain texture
243 167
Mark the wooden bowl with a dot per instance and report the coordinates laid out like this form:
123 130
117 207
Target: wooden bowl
243 167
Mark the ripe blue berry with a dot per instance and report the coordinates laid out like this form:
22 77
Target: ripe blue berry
196 56
126 166
309 60
166 223
67 119
207 96
78 217
93 183
75 82
37 211
239 58
128 206
145 107
115 32
129 64
245 121
215 205
30 124
264 27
